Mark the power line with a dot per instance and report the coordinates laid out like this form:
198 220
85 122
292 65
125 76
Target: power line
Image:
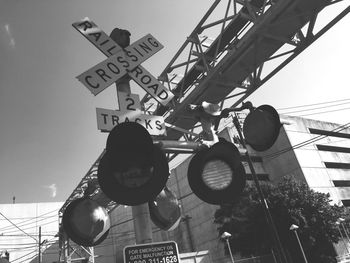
30 219
24 256
30 248
324 112
48 233
17 227
14 231
317 108
27 259
304 143
314 104
31 227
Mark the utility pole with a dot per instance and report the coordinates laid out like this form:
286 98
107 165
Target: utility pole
39 254
140 213
263 201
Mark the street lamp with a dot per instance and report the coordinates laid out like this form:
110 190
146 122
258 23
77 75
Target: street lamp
294 229
226 237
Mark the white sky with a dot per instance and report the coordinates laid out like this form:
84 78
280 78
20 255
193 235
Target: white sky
49 138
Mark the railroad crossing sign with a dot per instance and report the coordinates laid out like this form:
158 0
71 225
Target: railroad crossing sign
120 62
162 252
129 111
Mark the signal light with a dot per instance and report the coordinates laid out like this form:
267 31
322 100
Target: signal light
86 222
216 175
165 210
261 127
133 170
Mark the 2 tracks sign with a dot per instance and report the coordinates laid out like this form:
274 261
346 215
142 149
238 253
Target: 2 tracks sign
120 62
129 111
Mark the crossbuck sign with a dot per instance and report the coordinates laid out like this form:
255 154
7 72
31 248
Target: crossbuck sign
120 62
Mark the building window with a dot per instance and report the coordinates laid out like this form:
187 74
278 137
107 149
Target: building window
341 183
337 165
346 202
333 148
329 133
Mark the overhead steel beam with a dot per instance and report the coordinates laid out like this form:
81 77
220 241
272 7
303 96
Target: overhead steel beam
245 41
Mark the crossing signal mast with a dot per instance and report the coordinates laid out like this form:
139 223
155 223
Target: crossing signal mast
222 62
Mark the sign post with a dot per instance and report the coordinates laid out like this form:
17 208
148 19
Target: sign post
121 62
162 252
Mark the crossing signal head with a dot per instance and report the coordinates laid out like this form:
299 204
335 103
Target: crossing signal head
133 170
261 127
86 222
165 210
216 174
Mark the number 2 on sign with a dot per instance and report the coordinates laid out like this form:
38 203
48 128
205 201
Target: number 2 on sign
129 102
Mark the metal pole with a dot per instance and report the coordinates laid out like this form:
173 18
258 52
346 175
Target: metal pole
347 237
39 254
142 224
301 247
346 232
92 255
140 213
342 237
229 250
263 201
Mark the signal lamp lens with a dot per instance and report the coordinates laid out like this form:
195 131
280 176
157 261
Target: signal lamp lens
217 174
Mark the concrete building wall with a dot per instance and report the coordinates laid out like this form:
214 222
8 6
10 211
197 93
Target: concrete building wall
297 153
19 231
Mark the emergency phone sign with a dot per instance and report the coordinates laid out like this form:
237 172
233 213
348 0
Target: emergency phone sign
164 252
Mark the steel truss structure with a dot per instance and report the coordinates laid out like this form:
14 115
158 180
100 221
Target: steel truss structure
236 47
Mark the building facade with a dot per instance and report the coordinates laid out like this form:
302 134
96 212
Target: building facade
315 152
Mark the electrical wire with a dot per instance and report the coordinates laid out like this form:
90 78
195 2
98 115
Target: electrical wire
27 228
10 228
22 236
314 104
324 112
304 143
23 257
28 248
316 108
25 222
17 226
27 259
288 112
